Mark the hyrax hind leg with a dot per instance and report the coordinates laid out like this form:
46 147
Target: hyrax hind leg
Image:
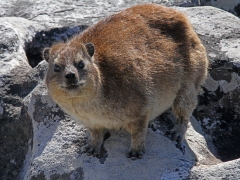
95 142
183 106
137 129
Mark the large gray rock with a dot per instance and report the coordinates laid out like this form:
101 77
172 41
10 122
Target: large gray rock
218 110
15 83
39 141
20 38
61 13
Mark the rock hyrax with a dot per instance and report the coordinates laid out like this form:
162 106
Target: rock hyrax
126 70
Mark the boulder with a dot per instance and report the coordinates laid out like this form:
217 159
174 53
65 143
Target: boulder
64 13
15 83
39 141
218 109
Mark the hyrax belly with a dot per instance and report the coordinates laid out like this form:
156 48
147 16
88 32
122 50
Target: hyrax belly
126 70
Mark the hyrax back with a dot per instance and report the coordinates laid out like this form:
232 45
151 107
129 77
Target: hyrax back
126 70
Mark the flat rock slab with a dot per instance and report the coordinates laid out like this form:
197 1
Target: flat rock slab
58 139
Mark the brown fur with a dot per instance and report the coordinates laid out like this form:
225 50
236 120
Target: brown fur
147 59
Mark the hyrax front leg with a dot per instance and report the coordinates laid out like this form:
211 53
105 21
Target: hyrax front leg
183 106
95 142
137 130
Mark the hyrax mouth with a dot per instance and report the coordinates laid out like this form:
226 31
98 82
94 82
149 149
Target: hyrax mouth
72 87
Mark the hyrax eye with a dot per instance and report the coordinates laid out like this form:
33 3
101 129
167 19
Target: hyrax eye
57 68
81 65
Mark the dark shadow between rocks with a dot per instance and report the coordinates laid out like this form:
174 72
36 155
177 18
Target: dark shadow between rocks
220 123
45 39
218 110
237 9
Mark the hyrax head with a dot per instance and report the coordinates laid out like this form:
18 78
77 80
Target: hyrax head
70 68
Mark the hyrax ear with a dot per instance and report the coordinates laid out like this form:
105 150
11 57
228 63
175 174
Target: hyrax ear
90 48
45 54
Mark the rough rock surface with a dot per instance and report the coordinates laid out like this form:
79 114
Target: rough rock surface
59 13
218 110
39 141
17 80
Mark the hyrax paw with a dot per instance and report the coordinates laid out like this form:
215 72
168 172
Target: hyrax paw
177 133
174 136
91 150
133 155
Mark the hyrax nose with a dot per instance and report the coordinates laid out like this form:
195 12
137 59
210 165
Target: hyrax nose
70 76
